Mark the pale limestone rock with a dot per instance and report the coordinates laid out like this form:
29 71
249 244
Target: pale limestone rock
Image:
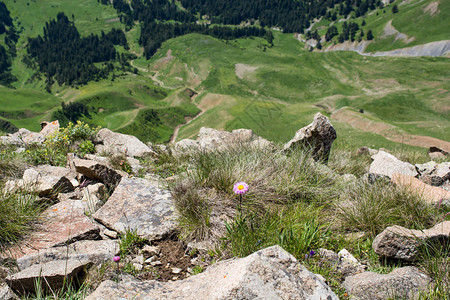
387 164
430 194
118 143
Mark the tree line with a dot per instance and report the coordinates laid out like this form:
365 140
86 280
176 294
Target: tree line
153 34
9 52
64 56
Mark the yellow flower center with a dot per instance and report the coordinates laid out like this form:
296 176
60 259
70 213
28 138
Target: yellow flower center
240 187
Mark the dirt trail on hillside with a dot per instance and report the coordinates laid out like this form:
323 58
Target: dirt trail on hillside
390 132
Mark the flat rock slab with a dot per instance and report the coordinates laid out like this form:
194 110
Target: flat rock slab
61 224
138 205
402 243
96 252
387 164
402 283
52 274
271 273
431 194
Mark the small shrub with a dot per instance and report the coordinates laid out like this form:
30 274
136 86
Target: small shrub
86 147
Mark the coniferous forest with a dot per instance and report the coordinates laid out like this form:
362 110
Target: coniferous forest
64 56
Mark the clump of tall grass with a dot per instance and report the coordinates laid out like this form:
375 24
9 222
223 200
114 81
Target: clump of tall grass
18 212
205 194
373 207
349 162
12 164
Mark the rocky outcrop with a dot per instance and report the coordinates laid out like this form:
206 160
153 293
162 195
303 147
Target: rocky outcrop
387 164
117 143
61 224
401 243
97 252
343 262
137 204
402 283
211 139
52 275
430 194
271 273
319 136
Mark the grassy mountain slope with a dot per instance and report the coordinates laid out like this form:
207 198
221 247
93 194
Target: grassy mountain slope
421 21
244 83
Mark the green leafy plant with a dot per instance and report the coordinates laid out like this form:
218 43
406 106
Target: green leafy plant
130 242
85 147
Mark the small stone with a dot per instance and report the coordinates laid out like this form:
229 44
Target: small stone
151 259
138 259
138 267
151 250
110 233
175 278
156 263
176 270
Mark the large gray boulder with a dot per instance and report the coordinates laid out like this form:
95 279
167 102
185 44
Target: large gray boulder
271 273
402 283
52 275
387 164
319 136
402 243
97 252
117 143
61 224
137 204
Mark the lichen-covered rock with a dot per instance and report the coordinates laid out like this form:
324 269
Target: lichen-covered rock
97 252
117 143
387 164
61 224
137 204
52 274
319 136
271 273
402 283
402 243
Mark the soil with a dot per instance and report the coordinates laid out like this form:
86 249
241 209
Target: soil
172 255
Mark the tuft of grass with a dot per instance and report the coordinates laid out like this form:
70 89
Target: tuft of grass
348 162
130 242
373 207
274 179
11 164
295 227
18 212
434 259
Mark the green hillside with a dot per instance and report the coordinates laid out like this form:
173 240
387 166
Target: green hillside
273 89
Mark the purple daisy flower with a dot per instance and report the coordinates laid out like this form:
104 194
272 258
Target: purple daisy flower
240 188
116 259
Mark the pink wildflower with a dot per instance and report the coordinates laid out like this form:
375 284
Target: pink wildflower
240 188
116 259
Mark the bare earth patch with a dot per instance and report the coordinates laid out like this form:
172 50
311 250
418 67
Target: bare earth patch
390 132
432 9
242 70
389 30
